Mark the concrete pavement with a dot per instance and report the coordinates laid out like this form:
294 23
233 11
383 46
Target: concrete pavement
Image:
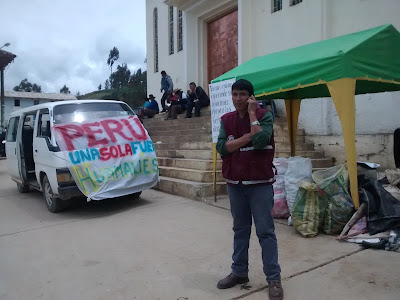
166 247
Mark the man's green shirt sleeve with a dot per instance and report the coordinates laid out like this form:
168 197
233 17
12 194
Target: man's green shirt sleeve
262 139
221 147
259 140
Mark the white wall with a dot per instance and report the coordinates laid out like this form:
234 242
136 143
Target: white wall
271 32
24 103
172 64
377 115
265 32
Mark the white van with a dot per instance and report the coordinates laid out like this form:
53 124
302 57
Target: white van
34 159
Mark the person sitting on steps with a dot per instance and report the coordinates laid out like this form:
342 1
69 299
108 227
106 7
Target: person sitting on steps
175 107
198 98
150 107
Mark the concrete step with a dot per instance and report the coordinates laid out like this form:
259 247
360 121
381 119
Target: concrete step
205 138
323 163
311 154
179 131
204 134
205 111
208 155
197 164
209 146
189 189
150 124
189 154
207 165
181 120
279 135
190 174
299 146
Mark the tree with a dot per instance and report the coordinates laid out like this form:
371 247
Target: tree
26 86
99 87
107 84
112 57
120 77
77 95
132 93
65 90
36 88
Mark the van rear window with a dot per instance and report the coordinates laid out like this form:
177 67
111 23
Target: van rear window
81 112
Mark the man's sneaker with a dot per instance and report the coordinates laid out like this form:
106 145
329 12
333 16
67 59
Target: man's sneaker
275 290
231 280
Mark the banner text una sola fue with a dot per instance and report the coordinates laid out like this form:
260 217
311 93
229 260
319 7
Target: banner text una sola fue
110 157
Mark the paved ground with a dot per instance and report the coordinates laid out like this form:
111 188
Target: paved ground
166 247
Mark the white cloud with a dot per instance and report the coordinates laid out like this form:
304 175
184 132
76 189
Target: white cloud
68 41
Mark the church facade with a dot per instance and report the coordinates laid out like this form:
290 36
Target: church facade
198 40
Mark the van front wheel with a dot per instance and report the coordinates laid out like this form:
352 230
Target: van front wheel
54 204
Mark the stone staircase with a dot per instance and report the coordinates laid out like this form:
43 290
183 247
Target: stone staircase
185 156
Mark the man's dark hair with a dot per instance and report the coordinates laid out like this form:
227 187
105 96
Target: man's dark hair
243 85
163 72
192 83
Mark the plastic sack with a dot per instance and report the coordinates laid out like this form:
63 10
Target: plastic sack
281 165
309 209
280 209
383 209
299 168
334 182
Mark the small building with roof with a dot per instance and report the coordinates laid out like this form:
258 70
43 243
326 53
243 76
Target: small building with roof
18 100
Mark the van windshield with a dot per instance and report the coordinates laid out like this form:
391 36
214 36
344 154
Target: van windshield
82 112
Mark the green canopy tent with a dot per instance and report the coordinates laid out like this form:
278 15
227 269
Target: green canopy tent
363 62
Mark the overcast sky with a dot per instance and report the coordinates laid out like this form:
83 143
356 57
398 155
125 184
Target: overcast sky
61 42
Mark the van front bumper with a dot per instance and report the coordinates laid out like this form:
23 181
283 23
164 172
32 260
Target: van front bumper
69 192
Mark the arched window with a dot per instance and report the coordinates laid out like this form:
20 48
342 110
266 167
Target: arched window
155 24
171 30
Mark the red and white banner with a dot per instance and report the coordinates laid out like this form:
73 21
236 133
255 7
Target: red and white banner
110 157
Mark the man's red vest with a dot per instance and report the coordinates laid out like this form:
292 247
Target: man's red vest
247 164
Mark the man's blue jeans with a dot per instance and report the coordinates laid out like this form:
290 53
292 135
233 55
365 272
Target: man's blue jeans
257 201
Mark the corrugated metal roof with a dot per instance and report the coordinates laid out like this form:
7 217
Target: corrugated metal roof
32 95
6 58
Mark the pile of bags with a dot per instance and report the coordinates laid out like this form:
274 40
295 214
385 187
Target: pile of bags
289 171
325 205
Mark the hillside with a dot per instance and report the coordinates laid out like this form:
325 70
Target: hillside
114 95
103 94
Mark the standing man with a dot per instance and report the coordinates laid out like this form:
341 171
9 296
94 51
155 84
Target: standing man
246 145
167 86
197 98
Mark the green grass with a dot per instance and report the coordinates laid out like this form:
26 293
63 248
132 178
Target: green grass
96 95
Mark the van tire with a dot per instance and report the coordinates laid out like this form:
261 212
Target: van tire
136 195
23 188
53 203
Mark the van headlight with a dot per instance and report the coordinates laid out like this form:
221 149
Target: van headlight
64 176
